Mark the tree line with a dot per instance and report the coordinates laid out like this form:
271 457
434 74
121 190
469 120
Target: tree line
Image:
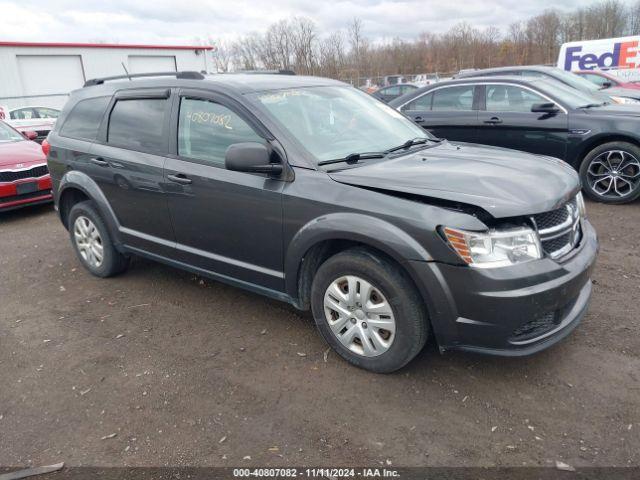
350 54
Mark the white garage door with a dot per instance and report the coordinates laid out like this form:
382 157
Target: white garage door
151 63
50 74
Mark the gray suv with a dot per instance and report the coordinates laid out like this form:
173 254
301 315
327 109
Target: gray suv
314 193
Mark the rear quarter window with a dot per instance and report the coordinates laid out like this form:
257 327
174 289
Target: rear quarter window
84 119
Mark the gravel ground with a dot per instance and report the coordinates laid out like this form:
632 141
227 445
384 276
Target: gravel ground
158 367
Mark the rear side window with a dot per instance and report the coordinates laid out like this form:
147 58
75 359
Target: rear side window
23 114
138 124
47 113
395 90
84 119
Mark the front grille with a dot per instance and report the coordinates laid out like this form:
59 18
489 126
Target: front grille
25 196
559 229
12 176
557 243
552 218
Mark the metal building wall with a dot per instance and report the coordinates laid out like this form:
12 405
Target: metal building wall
96 62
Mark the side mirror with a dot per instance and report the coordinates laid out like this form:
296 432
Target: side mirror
545 108
30 135
250 157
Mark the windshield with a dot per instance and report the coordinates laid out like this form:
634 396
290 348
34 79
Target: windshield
569 97
8 134
334 122
575 81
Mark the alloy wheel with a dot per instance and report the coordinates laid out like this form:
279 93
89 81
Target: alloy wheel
359 316
88 241
614 174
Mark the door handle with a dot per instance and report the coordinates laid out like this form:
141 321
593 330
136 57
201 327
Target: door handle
493 121
180 178
418 119
101 162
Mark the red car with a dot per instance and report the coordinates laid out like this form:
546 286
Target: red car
24 177
606 80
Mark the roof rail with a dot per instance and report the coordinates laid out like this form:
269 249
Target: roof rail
186 75
267 72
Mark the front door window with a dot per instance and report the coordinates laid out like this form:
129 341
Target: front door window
206 129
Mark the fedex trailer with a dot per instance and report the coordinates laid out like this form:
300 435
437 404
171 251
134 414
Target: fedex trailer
618 56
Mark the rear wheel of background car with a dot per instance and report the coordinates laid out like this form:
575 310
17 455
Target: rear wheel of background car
92 243
610 173
369 310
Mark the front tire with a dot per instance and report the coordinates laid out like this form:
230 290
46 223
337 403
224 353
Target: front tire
610 173
369 311
91 241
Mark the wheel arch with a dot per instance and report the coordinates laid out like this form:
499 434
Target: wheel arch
324 237
75 187
598 140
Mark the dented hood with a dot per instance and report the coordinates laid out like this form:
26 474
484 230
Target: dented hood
503 182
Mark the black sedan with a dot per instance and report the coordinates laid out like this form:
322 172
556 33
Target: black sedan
541 116
616 94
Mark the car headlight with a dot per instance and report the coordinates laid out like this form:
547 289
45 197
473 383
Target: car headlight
582 209
624 100
495 248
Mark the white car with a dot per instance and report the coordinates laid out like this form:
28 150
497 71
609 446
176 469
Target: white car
424 79
33 118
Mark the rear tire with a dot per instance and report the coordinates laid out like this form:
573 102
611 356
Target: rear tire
610 173
357 297
92 243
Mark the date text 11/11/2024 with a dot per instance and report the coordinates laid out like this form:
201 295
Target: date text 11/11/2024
315 473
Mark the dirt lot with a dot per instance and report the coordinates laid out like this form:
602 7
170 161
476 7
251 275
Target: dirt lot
191 372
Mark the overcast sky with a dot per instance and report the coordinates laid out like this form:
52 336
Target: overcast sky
173 22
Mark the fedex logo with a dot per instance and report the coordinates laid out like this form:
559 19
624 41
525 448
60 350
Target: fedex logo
621 57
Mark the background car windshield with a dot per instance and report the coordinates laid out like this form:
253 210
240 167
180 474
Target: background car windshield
569 97
332 122
8 134
575 81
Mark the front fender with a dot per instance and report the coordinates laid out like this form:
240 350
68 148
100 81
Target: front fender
357 227
75 179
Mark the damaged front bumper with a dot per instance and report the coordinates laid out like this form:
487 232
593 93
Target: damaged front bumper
510 311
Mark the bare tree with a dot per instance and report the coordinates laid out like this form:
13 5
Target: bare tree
246 53
331 56
222 55
295 43
356 42
633 21
303 41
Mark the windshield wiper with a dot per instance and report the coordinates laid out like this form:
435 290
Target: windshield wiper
412 142
354 158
